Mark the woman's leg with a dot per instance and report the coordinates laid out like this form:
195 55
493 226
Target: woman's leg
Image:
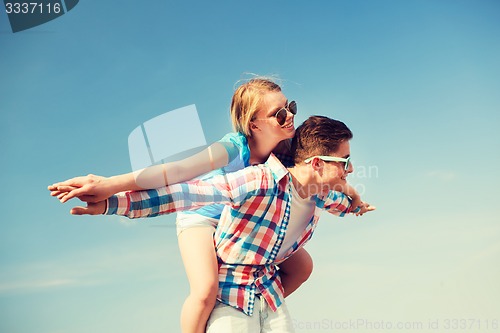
295 270
226 319
198 254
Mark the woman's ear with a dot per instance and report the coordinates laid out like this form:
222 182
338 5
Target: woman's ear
253 127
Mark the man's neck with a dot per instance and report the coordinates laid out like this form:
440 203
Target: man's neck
303 181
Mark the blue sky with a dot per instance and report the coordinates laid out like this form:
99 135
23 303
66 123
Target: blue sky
416 81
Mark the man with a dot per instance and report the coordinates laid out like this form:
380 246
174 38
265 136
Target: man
272 212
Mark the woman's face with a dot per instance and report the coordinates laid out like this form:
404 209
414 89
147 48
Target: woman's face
265 119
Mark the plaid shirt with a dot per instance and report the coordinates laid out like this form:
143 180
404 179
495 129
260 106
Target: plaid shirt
250 232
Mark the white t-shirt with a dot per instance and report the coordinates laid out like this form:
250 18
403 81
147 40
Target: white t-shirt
301 213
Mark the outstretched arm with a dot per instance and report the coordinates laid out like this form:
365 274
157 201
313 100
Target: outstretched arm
93 188
339 204
131 204
230 189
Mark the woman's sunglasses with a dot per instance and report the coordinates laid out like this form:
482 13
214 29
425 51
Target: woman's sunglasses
281 114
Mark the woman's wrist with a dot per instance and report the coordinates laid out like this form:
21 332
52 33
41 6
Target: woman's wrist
117 184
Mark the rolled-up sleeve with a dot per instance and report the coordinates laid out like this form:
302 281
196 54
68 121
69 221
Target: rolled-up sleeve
336 203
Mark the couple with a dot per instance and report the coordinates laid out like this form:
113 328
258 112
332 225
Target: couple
263 214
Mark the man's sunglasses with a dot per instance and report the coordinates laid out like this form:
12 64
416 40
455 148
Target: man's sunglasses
346 161
281 114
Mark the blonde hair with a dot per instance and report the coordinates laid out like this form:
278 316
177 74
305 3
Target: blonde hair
246 102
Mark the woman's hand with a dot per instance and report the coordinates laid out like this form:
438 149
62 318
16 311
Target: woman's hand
90 188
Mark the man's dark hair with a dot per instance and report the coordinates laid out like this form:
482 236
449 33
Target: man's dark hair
318 135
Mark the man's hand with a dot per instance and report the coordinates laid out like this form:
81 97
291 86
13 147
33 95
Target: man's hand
363 208
89 188
93 208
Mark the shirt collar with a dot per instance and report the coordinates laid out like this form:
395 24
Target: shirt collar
277 168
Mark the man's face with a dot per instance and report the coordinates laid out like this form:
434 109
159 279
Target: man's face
334 174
